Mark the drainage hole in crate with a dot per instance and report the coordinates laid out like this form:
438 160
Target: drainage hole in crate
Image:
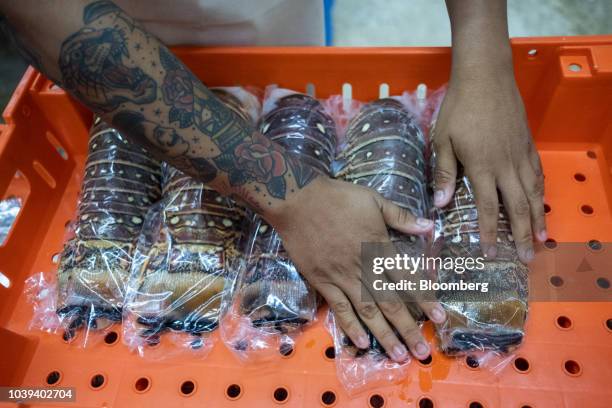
572 367
142 384
532 53
97 381
547 209
233 391
595 245
526 406
111 337
574 67
53 377
550 243
564 322
330 352
521 364
187 387
586 209
426 403
285 349
591 154
426 361
281 394
579 177
603 283
556 281
328 398
472 362
377 401
609 324
475 404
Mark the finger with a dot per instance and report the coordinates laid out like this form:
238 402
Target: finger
487 204
401 219
434 311
344 314
532 179
445 173
519 212
381 317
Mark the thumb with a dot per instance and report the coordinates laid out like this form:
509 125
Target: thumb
445 174
403 220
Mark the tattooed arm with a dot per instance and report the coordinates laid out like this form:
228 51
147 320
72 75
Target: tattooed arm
100 55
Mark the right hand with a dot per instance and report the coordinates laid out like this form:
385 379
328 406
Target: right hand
322 228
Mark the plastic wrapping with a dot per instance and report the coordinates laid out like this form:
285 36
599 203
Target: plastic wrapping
271 301
185 257
482 321
384 150
121 181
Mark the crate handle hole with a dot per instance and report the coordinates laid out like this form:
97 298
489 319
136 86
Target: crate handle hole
574 67
532 53
376 401
328 398
281 394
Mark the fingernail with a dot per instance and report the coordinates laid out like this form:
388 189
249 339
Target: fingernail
438 197
542 236
438 314
399 352
528 254
363 342
422 349
424 222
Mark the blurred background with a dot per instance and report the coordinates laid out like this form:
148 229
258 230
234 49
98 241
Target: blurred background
408 23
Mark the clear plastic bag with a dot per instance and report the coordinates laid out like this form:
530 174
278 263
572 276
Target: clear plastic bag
481 324
185 258
180 269
121 181
270 300
384 149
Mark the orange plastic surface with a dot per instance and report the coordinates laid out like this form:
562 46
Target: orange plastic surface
570 112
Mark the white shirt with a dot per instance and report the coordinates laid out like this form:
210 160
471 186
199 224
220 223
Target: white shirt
231 22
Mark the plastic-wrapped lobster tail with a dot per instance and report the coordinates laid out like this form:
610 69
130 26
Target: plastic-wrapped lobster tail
182 264
271 300
121 181
384 151
491 320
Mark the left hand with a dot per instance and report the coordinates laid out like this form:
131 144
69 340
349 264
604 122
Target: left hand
482 123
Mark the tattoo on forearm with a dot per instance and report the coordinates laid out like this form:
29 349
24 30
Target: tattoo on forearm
117 69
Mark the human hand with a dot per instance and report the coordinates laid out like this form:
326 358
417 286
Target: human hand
322 228
482 124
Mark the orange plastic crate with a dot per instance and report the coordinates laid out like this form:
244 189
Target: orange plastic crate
567 87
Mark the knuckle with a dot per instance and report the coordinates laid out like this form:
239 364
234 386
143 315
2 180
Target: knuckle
390 308
489 207
442 176
369 311
524 238
341 307
521 207
411 333
387 336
